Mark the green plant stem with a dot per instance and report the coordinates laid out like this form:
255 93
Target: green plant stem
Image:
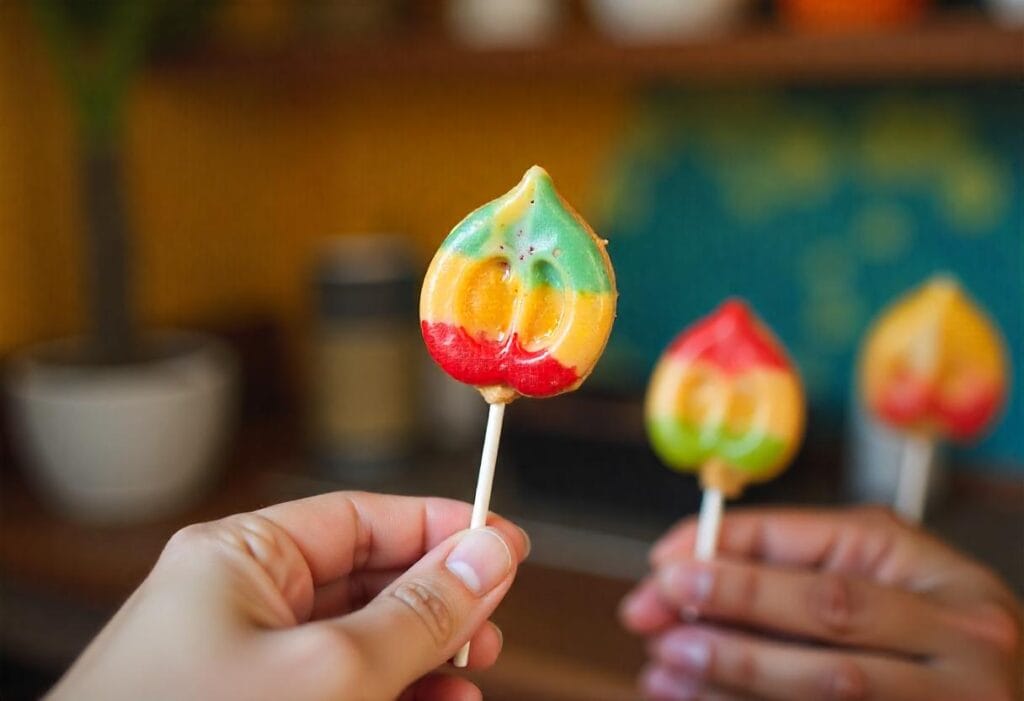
98 83
98 72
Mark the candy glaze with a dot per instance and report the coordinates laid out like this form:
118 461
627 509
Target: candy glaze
934 363
725 393
520 298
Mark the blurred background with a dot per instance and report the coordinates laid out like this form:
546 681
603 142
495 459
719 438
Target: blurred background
215 217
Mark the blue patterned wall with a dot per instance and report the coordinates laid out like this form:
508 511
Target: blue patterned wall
820 207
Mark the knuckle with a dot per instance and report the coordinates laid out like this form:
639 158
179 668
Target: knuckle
845 680
430 607
188 534
187 539
363 537
254 534
832 604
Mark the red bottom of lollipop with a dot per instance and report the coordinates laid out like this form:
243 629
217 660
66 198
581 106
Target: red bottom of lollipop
909 403
483 363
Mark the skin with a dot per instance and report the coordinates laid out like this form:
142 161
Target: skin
813 605
343 595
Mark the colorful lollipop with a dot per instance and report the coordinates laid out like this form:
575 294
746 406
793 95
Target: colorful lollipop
933 366
518 301
725 401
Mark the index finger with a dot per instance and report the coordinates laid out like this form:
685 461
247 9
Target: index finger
869 542
781 536
341 532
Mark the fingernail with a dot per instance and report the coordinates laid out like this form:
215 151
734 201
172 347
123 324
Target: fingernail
688 583
631 604
663 684
686 652
481 560
526 540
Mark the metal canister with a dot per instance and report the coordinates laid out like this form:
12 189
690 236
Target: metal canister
365 367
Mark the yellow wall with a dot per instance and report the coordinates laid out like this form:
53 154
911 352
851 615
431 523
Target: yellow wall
15 323
38 246
234 178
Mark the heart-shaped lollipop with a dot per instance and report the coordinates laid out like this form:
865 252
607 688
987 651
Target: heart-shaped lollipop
520 298
725 394
725 401
933 366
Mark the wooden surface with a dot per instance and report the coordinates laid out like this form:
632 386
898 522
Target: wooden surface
945 47
562 640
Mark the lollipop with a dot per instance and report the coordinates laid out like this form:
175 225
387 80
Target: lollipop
933 366
725 401
518 301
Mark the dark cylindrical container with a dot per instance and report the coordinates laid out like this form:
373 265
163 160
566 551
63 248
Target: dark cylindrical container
365 380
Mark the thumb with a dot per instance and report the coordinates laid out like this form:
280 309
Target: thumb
424 616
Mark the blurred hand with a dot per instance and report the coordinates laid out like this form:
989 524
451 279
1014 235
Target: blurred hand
340 596
824 605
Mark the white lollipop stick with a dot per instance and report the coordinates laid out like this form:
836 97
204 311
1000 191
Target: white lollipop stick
708 524
482 502
914 478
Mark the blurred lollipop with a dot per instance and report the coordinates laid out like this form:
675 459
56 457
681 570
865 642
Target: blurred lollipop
724 401
934 367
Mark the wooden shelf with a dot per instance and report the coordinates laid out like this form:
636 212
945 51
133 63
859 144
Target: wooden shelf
951 47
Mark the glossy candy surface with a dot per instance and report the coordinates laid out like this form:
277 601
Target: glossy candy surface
725 400
520 298
935 364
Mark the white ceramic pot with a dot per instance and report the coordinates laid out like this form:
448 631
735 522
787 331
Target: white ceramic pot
1008 12
123 443
504 23
652 21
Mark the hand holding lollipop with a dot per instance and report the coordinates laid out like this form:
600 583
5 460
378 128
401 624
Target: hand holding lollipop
518 301
724 401
933 366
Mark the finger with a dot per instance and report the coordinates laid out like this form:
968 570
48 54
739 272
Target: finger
341 532
354 592
870 542
824 606
350 593
257 569
714 658
779 536
485 646
664 683
418 622
440 687
645 611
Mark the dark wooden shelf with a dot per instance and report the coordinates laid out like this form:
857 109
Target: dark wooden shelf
946 47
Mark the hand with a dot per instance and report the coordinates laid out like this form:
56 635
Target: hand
340 596
824 605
